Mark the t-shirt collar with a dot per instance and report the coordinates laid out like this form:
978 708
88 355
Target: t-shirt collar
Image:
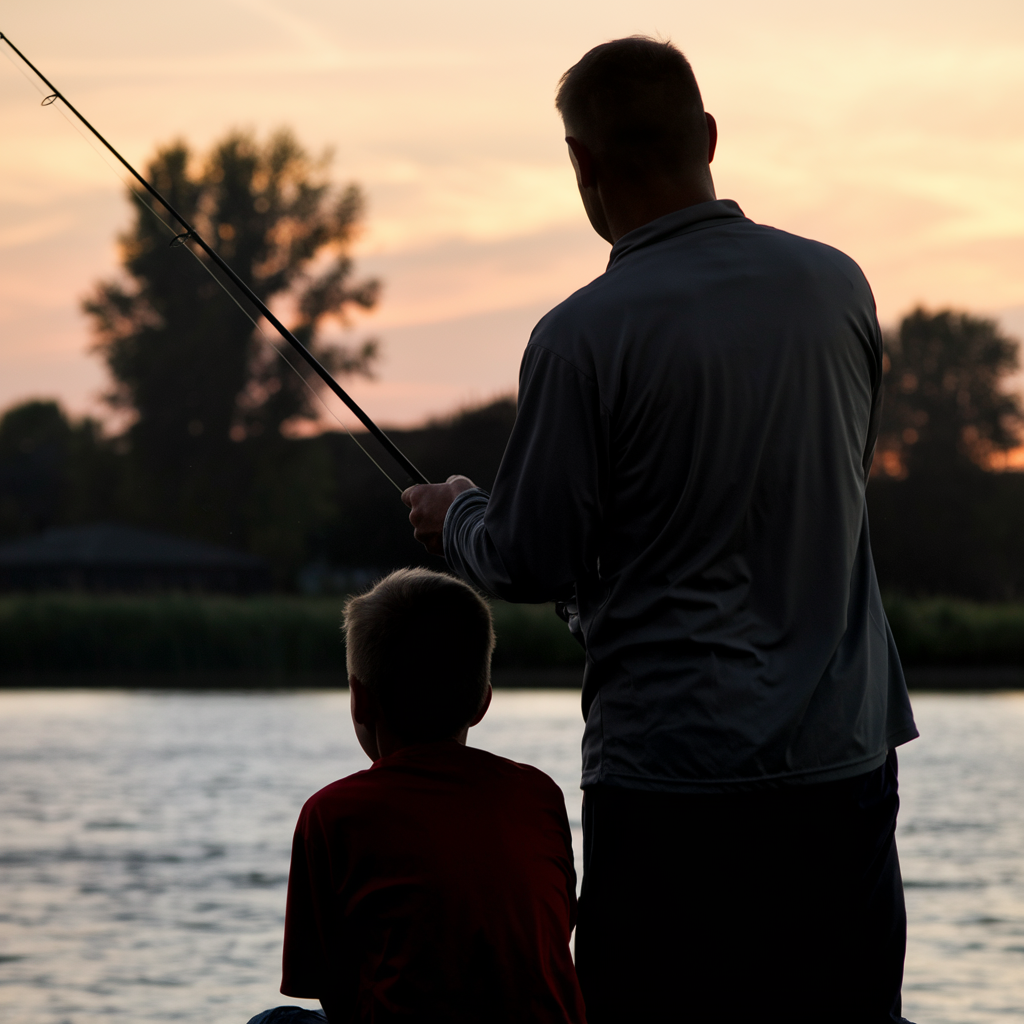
672 224
418 751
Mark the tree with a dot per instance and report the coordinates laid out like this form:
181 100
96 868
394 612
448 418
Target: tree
370 528
945 409
207 399
942 522
52 470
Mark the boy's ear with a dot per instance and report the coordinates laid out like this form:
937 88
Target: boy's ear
364 717
483 707
362 702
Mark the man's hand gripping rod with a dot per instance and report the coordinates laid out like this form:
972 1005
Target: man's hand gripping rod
190 232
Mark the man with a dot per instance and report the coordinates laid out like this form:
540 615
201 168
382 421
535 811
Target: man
694 434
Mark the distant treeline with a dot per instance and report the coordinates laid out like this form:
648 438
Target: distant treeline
263 637
944 521
282 639
956 534
325 515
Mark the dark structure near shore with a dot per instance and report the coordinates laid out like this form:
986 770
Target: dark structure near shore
107 557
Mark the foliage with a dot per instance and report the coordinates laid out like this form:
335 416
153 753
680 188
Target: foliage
532 637
264 636
960 533
207 399
948 632
283 638
941 521
370 528
945 409
352 517
52 470
172 633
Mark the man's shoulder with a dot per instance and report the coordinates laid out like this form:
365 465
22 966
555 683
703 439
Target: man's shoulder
585 301
729 250
815 253
565 334
680 268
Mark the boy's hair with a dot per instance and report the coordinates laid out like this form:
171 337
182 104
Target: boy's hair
635 103
421 642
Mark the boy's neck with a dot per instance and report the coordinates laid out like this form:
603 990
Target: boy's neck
388 743
376 737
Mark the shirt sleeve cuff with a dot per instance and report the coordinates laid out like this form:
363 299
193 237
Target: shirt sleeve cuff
465 512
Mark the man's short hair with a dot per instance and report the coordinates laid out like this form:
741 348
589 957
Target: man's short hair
421 642
635 104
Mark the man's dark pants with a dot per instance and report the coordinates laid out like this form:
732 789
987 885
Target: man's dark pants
781 905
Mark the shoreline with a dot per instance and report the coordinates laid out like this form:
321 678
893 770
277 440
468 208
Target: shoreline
942 679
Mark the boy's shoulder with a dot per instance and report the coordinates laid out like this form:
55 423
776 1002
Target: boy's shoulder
434 773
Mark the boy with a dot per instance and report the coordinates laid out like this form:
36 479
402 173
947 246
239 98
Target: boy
437 885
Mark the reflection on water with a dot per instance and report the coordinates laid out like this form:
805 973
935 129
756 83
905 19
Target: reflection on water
961 842
144 845
145 838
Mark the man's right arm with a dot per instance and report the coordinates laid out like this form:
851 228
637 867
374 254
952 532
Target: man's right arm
877 358
538 531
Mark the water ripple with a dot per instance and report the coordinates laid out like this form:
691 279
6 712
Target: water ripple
144 856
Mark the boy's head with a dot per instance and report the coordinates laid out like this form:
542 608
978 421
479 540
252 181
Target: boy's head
420 644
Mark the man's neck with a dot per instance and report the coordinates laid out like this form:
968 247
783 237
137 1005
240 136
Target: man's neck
627 209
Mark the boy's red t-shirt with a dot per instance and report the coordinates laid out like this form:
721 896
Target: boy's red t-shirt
436 885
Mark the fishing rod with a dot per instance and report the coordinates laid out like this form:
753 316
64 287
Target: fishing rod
190 232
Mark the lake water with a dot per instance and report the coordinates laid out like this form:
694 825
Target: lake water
144 843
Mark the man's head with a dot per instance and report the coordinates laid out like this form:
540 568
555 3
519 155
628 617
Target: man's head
636 126
419 656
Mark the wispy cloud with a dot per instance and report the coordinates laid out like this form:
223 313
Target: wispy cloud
894 135
34 231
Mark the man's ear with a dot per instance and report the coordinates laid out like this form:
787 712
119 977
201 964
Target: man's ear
483 707
712 136
582 162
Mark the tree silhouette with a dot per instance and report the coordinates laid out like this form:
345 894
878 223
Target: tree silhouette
206 397
52 470
945 409
941 521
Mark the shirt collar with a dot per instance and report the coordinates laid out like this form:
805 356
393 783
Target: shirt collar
671 224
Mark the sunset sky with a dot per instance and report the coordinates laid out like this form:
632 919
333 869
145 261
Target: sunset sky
893 130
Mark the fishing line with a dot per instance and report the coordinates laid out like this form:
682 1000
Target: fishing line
191 234
21 71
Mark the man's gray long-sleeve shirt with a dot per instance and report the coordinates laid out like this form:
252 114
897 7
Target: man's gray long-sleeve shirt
693 439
